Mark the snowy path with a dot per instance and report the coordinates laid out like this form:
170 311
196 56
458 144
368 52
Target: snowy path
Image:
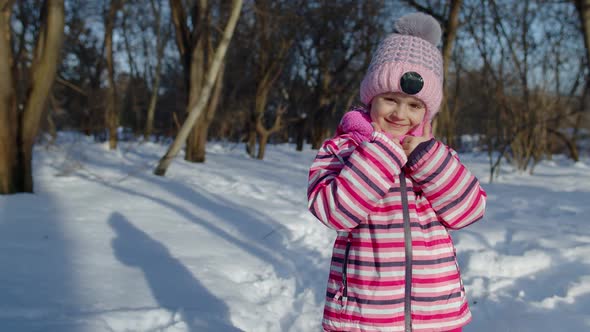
229 245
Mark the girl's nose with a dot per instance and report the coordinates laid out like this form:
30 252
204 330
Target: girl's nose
399 112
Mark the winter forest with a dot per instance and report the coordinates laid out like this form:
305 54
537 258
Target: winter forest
155 154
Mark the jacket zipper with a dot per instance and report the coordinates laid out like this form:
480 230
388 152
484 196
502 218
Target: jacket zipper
344 278
408 247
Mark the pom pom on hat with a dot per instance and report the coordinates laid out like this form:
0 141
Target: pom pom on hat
419 25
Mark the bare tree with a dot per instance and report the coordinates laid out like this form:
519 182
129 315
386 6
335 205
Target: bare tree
334 52
203 54
198 104
19 126
160 45
196 53
583 9
146 33
264 133
131 87
112 113
79 89
271 47
519 97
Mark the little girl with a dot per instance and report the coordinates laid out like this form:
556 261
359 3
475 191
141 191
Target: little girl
393 192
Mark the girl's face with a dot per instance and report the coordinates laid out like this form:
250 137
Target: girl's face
397 113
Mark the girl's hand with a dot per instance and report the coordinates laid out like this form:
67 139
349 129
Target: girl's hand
357 123
411 142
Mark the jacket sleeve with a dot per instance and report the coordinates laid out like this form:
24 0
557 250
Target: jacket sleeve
453 192
347 181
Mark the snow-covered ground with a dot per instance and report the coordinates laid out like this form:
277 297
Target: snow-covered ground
228 245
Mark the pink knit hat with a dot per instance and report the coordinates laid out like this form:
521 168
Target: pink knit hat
408 61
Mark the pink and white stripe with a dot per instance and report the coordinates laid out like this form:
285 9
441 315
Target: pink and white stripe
355 190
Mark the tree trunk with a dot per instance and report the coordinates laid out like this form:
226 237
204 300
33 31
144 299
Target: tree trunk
300 133
571 144
316 136
197 141
319 129
261 131
324 113
191 148
251 143
43 69
50 123
574 139
205 120
18 129
583 7
260 102
262 140
8 111
445 122
196 70
264 134
451 34
271 57
201 102
149 122
201 141
112 114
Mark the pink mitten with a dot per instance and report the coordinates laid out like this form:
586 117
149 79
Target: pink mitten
357 123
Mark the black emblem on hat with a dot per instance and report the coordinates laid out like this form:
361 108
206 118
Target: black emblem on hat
411 82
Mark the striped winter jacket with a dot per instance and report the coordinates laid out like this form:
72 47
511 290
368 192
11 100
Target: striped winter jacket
377 200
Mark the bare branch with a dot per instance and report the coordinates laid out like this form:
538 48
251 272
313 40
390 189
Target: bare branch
428 10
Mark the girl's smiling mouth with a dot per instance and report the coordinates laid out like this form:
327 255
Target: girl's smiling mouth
395 124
